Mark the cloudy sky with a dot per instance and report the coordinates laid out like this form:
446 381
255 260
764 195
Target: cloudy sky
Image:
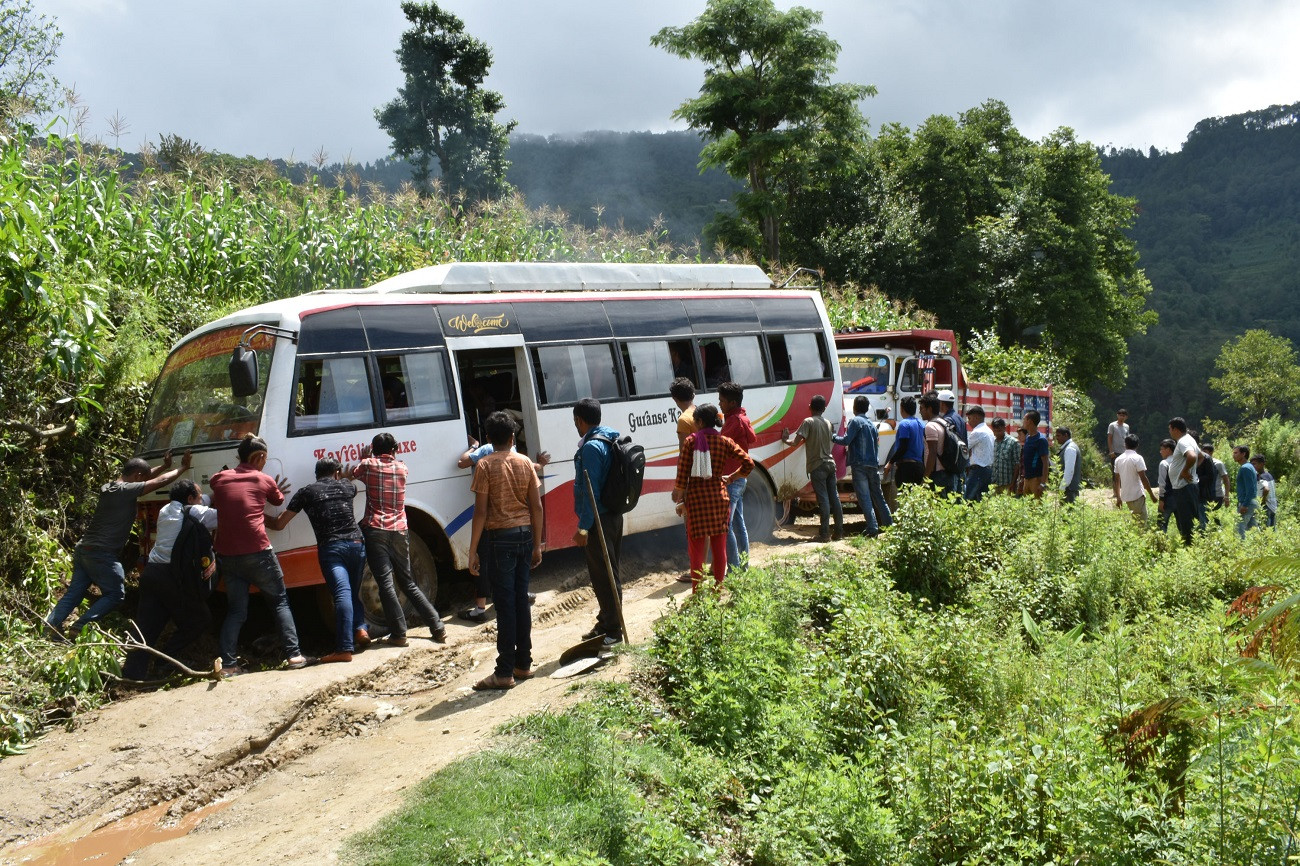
281 78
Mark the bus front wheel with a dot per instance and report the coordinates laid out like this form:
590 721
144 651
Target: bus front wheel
424 571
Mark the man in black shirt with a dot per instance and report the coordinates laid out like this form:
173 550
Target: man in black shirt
340 549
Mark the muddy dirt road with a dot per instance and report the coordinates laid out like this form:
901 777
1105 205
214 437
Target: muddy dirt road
284 765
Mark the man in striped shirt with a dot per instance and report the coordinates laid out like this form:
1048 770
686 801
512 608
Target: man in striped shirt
388 545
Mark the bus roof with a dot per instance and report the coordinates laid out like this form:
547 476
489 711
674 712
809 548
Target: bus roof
563 276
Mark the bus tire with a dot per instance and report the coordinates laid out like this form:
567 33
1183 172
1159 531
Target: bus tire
761 508
424 570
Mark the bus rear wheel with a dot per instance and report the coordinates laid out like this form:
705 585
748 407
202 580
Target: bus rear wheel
760 508
424 571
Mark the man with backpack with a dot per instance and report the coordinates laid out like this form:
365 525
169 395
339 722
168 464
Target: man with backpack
593 462
943 455
175 581
340 550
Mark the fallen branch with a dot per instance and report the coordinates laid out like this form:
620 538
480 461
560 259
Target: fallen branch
37 432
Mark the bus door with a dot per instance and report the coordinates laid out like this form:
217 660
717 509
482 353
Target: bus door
493 375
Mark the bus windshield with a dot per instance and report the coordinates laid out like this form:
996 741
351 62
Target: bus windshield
864 372
192 405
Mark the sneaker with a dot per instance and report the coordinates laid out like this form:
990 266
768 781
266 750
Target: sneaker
361 638
298 661
335 657
393 640
595 632
612 639
474 614
439 636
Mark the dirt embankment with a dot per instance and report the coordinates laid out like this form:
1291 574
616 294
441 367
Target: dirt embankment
285 765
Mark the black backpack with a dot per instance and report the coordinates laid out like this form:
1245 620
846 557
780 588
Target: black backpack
193 562
952 455
626 473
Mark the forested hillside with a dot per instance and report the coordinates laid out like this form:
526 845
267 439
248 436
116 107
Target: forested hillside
1219 236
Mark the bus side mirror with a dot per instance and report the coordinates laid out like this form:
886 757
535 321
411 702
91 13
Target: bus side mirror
243 372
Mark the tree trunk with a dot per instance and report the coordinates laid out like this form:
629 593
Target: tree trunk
768 225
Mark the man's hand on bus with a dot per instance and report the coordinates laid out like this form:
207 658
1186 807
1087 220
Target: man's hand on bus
365 452
186 459
283 484
166 461
580 538
543 457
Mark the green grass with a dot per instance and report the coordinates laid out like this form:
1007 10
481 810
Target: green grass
1008 683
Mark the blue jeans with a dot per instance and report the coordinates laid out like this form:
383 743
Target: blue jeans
1246 521
343 562
737 534
828 496
262 570
389 552
91 566
871 499
512 552
977 482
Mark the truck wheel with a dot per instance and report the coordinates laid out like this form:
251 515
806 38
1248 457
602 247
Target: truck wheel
424 571
761 508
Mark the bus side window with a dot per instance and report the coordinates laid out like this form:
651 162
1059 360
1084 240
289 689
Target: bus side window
681 355
780 352
416 386
745 361
807 360
569 373
333 392
649 368
716 368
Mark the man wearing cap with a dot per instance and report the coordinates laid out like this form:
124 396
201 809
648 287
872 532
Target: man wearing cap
948 405
982 446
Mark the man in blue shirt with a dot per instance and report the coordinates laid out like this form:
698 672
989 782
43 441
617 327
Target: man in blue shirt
863 441
908 455
1034 456
1247 490
592 461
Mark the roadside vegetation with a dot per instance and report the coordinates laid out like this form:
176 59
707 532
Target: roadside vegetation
1002 683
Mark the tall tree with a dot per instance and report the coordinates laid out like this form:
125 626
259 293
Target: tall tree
768 107
442 111
1259 374
29 44
990 230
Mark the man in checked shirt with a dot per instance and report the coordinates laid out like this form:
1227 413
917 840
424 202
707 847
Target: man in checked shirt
388 547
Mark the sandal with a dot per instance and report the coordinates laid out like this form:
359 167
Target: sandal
492 682
521 674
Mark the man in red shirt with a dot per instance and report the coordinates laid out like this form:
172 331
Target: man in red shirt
244 554
388 546
737 428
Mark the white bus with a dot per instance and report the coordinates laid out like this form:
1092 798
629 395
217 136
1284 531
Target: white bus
429 354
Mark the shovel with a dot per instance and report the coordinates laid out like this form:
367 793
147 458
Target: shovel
592 648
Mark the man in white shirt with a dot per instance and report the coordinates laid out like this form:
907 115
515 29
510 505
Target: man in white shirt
1071 465
1115 434
1220 477
982 444
1182 478
1131 479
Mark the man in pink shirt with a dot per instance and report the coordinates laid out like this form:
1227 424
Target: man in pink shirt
244 554
388 545
737 428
